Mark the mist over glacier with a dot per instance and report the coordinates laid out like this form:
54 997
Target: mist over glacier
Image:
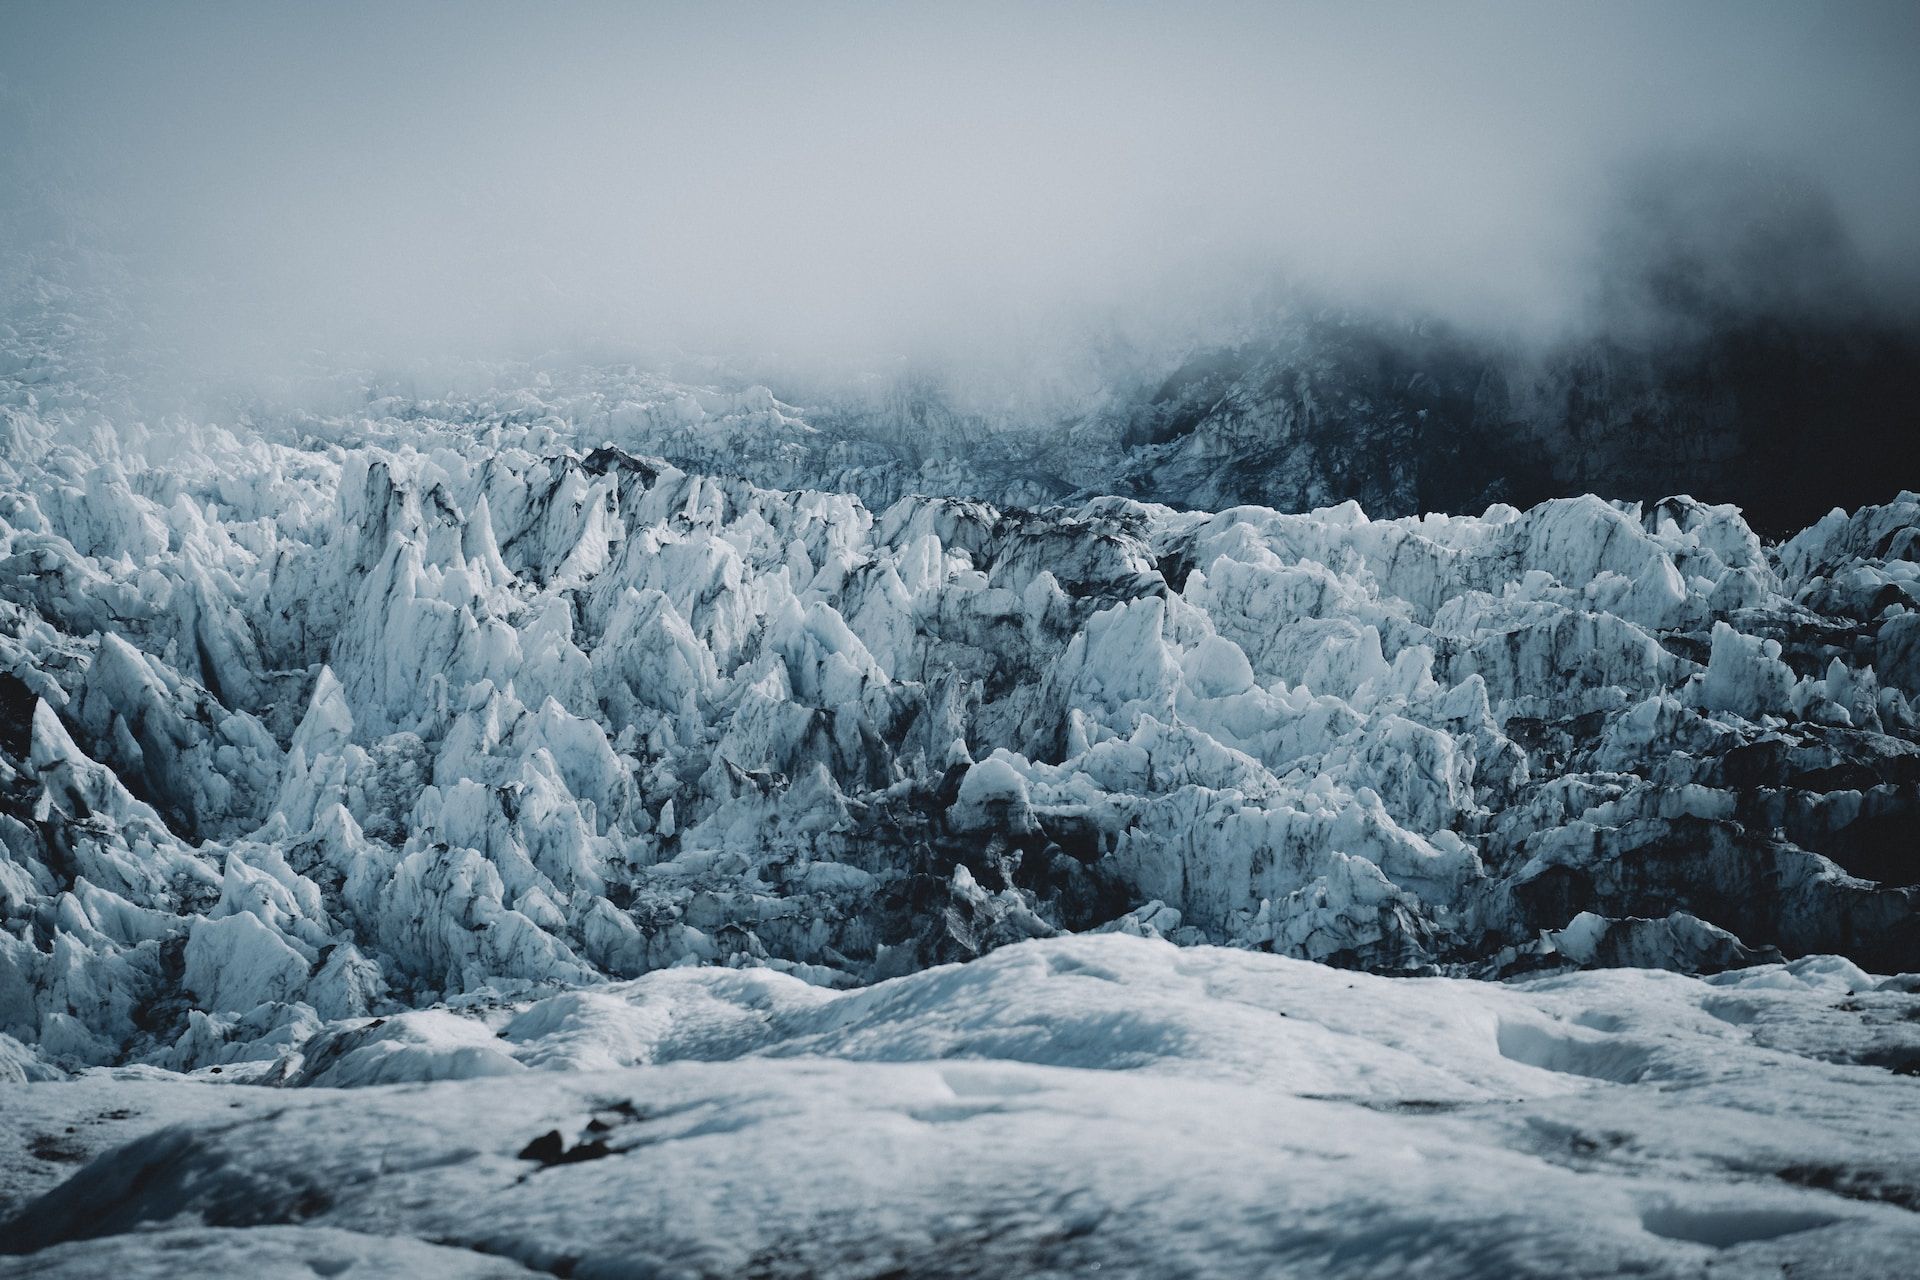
855 640
853 181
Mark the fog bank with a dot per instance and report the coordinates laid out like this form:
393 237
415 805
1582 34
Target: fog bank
840 180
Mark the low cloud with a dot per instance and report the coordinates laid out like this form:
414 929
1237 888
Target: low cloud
834 182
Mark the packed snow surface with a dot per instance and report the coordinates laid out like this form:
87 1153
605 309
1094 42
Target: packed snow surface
1104 1102
619 816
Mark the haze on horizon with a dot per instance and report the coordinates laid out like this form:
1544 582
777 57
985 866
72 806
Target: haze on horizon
846 178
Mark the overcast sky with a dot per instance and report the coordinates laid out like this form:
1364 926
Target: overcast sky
809 176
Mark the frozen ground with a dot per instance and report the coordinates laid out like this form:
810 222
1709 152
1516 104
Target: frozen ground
466 829
1058 1105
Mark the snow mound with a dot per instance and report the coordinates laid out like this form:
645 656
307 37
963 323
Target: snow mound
1062 1105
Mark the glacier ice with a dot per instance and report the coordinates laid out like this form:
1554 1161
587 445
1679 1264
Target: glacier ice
304 729
434 744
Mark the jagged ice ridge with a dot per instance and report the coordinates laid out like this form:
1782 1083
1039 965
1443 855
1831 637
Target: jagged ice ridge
302 731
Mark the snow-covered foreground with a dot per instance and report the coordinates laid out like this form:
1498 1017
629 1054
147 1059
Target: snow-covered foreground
1057 1105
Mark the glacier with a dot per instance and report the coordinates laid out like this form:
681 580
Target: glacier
406 810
